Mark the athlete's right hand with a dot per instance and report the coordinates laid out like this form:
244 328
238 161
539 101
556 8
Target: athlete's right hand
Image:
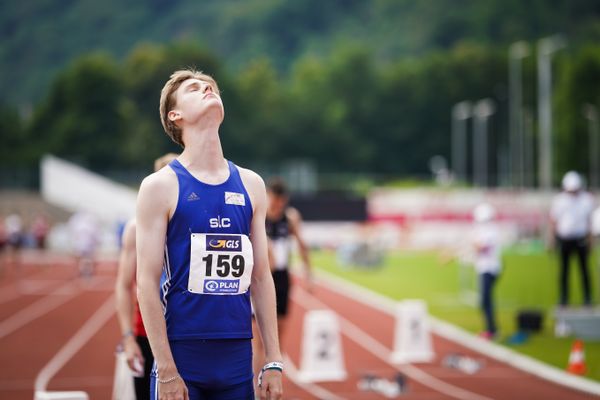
133 353
175 390
271 387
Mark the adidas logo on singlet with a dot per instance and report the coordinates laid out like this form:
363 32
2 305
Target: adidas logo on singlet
193 196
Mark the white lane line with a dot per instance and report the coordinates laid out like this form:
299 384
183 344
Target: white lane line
37 286
320 393
462 337
58 297
30 286
9 295
77 341
87 381
373 346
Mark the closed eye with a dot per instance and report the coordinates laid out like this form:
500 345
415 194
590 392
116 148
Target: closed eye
194 87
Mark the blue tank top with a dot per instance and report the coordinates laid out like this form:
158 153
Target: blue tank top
205 282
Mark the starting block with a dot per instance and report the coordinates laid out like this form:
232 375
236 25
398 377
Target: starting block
43 395
321 359
412 337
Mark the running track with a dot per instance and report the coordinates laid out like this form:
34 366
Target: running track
59 332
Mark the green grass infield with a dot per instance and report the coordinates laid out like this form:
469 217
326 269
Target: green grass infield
529 281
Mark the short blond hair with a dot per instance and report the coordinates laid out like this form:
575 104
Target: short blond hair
168 99
164 160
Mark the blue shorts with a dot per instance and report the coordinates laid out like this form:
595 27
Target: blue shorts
215 369
241 391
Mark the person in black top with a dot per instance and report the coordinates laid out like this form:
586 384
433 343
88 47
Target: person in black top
283 226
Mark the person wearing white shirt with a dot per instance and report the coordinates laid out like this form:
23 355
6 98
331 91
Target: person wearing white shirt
488 262
85 237
571 217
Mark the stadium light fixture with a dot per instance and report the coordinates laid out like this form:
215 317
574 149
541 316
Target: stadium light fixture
461 112
545 49
516 53
590 112
482 111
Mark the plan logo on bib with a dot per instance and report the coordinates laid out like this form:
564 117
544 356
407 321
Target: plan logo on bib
237 199
222 286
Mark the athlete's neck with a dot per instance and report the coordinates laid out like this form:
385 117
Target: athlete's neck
275 213
203 153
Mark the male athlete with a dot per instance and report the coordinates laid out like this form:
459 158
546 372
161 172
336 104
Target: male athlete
201 247
283 223
133 335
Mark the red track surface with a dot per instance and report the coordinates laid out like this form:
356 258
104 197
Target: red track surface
43 307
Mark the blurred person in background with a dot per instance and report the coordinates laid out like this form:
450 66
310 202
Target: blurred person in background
15 235
133 335
571 219
200 238
283 223
3 244
488 263
39 230
84 233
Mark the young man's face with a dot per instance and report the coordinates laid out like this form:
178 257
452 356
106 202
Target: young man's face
195 99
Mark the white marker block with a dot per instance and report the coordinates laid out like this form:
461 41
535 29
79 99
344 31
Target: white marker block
322 359
43 395
412 337
123 388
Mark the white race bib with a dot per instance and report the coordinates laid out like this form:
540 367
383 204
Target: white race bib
281 252
220 264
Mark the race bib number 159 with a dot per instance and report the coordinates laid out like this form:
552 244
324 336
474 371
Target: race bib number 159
220 264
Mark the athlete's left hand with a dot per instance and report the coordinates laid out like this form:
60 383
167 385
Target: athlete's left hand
271 387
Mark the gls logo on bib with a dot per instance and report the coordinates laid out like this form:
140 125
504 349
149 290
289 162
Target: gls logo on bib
223 243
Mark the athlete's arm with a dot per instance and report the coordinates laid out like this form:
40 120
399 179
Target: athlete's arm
263 289
295 219
124 295
553 218
155 200
270 253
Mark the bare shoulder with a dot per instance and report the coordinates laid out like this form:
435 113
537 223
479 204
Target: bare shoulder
162 179
129 233
130 225
158 192
251 179
255 186
293 214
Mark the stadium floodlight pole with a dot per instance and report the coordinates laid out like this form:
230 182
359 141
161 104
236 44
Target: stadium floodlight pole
528 149
516 52
545 48
482 110
590 112
460 113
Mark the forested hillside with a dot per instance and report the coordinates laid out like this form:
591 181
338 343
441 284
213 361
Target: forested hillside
40 37
352 86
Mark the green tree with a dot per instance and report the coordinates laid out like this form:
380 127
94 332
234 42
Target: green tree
81 117
255 125
13 140
578 84
331 109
